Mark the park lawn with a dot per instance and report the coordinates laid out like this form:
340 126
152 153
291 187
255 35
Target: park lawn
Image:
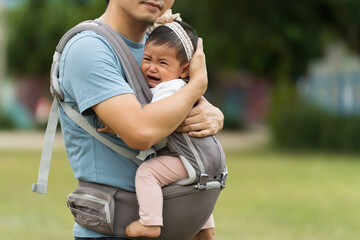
270 195
274 195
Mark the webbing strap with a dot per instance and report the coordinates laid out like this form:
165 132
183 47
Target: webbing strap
84 124
43 176
151 152
41 185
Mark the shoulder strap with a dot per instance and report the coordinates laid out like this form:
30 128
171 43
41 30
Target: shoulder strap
133 75
128 62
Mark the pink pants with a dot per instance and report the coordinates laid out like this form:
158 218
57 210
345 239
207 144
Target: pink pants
150 177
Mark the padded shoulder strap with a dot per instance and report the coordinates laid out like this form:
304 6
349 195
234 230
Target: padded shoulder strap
133 75
128 62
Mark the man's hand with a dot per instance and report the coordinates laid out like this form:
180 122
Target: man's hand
203 120
197 68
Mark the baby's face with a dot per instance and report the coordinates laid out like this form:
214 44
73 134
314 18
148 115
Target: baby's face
159 64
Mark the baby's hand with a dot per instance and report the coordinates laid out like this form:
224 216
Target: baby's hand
105 129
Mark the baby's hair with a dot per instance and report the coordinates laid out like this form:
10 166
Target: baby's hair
163 35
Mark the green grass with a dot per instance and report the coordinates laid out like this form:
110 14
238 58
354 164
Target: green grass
273 196
270 195
26 215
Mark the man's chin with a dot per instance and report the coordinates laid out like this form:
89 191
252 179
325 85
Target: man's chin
149 19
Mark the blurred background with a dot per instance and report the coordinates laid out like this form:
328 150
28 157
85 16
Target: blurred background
286 75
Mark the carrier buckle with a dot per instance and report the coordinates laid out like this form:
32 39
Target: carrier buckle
223 179
202 182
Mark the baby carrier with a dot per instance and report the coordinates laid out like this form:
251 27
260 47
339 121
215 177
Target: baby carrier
188 203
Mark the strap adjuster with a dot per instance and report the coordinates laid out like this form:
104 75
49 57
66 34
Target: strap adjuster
202 182
147 154
223 179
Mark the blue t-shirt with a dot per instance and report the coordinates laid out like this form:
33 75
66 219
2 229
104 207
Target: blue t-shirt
89 73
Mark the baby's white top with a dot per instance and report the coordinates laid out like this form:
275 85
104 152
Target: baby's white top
166 89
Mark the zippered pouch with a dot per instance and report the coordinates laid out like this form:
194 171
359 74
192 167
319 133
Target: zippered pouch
93 209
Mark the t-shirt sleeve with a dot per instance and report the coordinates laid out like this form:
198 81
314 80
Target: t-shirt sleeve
92 73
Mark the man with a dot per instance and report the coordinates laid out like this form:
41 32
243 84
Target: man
93 83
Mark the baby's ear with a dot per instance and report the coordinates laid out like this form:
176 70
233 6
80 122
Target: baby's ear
185 71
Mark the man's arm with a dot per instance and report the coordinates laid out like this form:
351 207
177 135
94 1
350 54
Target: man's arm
203 120
141 127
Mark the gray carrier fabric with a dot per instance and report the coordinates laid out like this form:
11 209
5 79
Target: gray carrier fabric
108 210
186 209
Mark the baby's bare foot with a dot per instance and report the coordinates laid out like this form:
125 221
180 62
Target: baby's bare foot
205 234
136 229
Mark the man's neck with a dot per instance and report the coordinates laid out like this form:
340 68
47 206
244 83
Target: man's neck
126 26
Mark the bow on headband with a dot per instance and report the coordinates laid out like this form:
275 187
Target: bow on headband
167 17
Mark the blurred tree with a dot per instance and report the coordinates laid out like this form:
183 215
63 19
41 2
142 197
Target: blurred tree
36 28
273 38
344 18
3 30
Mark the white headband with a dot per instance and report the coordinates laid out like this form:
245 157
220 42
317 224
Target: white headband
183 36
167 19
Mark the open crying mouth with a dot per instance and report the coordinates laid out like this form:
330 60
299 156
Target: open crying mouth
153 78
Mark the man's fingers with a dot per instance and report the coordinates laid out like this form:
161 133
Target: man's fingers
198 62
200 134
189 120
192 127
199 48
203 120
194 114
